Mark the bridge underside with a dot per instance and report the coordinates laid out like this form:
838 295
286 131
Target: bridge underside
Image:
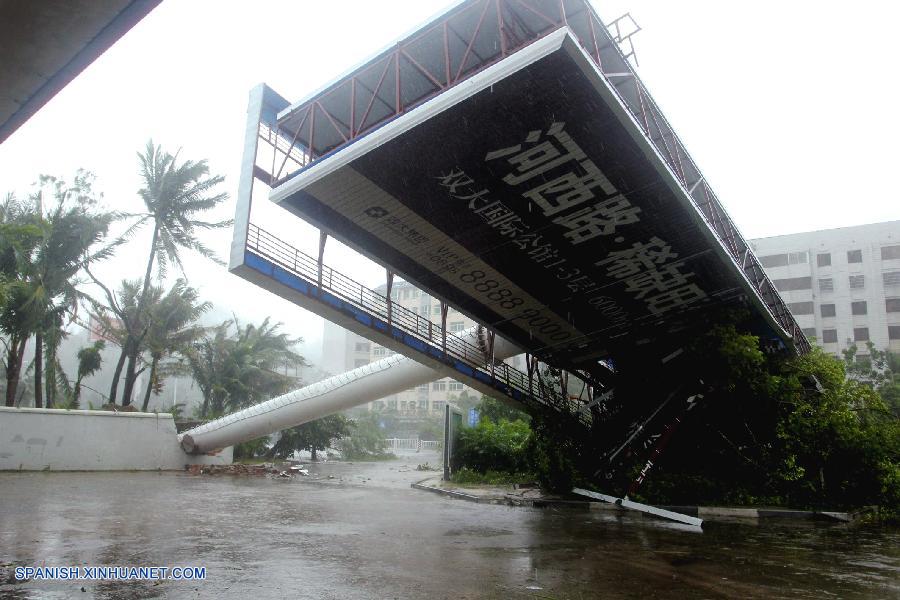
508 160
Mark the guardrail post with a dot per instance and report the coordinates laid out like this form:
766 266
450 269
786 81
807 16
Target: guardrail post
390 284
444 308
491 336
323 237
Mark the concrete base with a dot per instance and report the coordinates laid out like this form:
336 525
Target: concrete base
41 439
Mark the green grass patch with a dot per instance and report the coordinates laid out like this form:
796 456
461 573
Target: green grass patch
466 476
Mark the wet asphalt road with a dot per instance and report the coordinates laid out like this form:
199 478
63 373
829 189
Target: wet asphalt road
366 534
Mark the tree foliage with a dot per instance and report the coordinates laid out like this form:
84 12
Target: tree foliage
237 365
788 431
46 241
366 441
314 436
497 410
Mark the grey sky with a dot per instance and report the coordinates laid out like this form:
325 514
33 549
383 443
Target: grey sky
788 107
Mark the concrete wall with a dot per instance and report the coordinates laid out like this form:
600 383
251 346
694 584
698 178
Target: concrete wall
35 439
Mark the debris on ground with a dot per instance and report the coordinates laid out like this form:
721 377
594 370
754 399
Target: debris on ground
233 469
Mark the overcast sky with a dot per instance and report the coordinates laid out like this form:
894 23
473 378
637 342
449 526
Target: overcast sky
790 109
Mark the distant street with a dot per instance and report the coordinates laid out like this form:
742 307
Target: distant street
366 534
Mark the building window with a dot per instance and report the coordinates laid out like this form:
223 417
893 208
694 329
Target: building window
826 285
854 256
859 308
439 386
827 310
438 405
780 260
823 260
424 310
378 351
801 308
810 332
861 334
891 278
829 336
436 309
455 386
360 362
774 260
423 404
422 388
362 346
892 305
890 252
793 283
457 326
857 282
894 332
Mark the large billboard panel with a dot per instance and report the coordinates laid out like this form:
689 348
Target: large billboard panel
529 200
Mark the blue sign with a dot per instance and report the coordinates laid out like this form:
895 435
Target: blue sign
473 417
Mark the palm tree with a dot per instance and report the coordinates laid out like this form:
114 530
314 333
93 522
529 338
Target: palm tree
174 195
119 321
257 354
236 370
172 329
19 234
44 259
89 361
206 360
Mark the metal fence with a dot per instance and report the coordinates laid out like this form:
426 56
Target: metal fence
411 444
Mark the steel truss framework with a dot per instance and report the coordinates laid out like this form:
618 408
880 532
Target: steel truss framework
461 43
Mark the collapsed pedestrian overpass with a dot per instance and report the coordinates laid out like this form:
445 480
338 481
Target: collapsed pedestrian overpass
507 159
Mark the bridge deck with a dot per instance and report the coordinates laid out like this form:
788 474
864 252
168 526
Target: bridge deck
339 298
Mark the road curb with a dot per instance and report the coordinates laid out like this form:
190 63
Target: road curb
707 513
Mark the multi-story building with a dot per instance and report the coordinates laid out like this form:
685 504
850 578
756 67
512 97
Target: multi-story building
343 350
842 285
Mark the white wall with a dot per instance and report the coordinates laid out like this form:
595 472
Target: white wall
35 439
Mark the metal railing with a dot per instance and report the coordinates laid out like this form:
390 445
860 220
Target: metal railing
302 265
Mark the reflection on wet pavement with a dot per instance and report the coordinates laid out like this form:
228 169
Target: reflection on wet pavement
366 534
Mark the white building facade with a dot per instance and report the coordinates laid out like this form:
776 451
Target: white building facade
842 285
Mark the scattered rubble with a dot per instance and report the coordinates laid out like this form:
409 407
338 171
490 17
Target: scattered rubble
233 469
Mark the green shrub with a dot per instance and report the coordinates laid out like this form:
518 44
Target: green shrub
491 446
